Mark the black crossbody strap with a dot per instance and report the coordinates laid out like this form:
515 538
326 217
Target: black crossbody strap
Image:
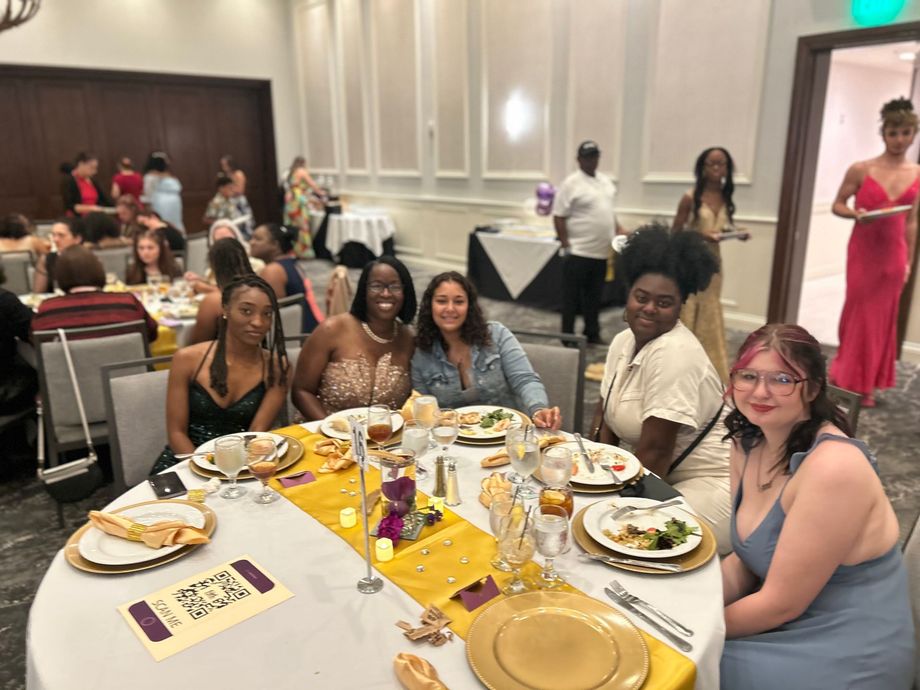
597 432
689 449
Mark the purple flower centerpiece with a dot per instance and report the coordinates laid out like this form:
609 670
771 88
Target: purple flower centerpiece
398 481
391 527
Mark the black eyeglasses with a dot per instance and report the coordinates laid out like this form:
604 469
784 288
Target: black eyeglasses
778 382
378 288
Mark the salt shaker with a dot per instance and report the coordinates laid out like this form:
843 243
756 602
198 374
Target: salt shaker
453 486
440 478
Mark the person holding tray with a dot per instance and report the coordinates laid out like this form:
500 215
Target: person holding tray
660 393
816 592
462 359
879 255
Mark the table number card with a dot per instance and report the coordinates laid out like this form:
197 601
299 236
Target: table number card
358 442
187 612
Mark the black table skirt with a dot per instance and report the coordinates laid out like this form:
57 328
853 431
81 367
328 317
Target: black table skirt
543 292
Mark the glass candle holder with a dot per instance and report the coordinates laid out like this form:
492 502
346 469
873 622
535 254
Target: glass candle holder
397 485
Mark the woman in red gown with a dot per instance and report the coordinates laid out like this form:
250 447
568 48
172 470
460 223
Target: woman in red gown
878 256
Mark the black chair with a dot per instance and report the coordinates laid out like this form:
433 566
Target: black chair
849 402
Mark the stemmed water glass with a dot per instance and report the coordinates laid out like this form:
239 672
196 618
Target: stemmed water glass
446 428
524 453
262 461
551 532
424 409
415 438
500 512
230 456
379 424
516 547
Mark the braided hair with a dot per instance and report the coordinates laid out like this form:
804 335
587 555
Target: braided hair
727 189
278 354
228 260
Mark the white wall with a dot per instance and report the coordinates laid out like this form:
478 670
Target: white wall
224 38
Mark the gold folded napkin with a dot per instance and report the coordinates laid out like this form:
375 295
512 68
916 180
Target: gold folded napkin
167 533
416 673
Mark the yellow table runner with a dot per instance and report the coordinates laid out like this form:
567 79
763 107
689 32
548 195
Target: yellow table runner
165 344
324 498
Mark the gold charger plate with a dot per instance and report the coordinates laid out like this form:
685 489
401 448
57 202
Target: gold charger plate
500 441
291 456
550 640
699 557
72 548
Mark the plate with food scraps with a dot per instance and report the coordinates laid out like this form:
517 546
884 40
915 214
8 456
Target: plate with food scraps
663 533
336 425
622 462
206 460
481 422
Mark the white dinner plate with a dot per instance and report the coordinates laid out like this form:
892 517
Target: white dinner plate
474 431
598 518
207 462
608 455
104 549
327 428
885 212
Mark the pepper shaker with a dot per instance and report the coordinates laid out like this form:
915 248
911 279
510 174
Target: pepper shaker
440 478
453 486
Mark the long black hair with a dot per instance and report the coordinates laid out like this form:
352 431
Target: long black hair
683 257
282 234
728 187
802 354
228 259
278 354
475 329
409 305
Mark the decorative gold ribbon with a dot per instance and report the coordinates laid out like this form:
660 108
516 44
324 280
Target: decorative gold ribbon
135 531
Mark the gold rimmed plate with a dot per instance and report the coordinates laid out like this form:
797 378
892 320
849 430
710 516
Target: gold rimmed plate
491 439
697 558
72 547
293 454
585 489
556 640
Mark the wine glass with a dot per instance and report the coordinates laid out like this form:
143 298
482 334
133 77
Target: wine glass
424 408
230 456
262 461
524 453
551 533
500 512
379 424
415 438
516 547
446 428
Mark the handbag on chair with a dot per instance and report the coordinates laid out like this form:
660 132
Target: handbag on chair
77 479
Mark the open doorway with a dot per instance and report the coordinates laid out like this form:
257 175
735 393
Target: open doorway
859 81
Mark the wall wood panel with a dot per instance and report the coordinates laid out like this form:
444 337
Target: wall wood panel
316 69
451 87
47 115
352 61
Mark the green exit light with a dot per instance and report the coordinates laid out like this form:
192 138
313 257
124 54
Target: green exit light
876 12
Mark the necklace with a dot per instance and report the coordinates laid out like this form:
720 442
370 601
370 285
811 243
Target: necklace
763 486
376 338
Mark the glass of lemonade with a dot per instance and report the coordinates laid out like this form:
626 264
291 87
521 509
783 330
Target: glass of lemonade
262 461
415 438
424 411
516 547
230 457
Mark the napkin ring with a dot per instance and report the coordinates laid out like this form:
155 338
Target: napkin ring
135 531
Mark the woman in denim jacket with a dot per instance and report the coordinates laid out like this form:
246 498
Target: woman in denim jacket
462 359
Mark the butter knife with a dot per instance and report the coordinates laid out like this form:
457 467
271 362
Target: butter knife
581 446
653 565
678 642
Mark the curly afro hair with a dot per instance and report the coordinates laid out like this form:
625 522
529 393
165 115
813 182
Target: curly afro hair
683 257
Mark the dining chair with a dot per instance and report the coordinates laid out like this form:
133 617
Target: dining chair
196 253
115 260
90 348
293 344
911 555
850 404
16 266
292 309
561 369
135 412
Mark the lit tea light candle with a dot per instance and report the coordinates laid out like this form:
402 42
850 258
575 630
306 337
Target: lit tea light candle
436 503
347 517
384 549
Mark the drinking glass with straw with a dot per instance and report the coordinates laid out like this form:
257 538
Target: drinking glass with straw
516 547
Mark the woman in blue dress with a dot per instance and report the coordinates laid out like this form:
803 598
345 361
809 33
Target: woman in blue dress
162 190
815 592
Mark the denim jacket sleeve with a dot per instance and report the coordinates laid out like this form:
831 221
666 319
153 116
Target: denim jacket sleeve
522 379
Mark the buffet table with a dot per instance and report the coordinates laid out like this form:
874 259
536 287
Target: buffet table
328 635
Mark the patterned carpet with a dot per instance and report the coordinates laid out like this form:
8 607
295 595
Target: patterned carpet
30 536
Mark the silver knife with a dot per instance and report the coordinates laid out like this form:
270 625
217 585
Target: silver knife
678 642
581 447
654 565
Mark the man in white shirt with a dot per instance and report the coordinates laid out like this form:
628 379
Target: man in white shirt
585 221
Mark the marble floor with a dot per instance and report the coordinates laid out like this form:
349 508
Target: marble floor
29 536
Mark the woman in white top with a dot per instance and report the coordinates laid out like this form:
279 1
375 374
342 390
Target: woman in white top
660 394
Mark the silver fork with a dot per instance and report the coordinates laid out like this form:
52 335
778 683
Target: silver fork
620 512
620 591
612 473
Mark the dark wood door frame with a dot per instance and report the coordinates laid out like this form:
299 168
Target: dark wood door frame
812 66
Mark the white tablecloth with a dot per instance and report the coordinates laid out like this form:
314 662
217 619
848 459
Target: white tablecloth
326 636
370 229
518 258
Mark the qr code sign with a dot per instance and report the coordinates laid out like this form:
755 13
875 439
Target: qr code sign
210 594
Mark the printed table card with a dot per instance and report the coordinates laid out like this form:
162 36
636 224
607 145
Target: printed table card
203 605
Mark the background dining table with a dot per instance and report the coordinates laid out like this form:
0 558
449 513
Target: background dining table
328 635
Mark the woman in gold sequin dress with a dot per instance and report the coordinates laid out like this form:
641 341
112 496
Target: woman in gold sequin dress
361 358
